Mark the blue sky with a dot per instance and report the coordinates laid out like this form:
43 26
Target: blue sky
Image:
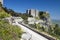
52 6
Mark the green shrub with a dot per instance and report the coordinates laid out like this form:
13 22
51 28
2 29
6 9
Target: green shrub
9 32
4 14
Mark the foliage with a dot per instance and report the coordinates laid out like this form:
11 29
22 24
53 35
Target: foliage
24 16
10 11
3 14
57 29
0 4
13 13
43 15
30 15
16 14
9 32
25 21
37 18
43 29
38 26
33 26
50 30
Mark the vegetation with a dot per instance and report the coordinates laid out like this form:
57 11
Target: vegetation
57 29
37 18
9 32
53 31
4 14
0 4
24 16
43 15
13 13
33 26
38 26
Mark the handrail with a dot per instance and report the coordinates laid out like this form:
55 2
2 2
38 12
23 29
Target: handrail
49 38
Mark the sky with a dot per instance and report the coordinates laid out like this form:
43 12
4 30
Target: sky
52 6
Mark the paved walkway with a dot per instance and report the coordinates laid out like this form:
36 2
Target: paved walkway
34 36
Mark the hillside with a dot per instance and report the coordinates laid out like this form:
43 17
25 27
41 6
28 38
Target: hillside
3 14
8 31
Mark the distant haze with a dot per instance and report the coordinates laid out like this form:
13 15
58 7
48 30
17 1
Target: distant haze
56 21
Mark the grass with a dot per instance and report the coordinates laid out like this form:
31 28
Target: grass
9 32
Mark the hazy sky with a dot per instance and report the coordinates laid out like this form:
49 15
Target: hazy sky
52 6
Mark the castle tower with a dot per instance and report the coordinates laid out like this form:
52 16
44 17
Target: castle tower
33 12
1 1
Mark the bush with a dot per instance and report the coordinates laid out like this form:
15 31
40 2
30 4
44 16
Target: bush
9 32
3 14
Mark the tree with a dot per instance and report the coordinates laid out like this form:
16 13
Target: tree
56 25
6 10
38 26
50 30
43 15
24 16
29 15
43 29
0 4
10 11
57 29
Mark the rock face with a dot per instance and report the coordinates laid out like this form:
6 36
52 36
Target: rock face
26 36
46 18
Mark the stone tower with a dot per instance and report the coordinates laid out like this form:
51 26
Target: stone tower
1 1
33 12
